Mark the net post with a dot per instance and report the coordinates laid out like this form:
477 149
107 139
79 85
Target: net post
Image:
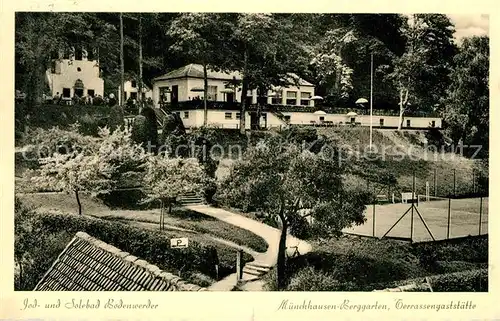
480 214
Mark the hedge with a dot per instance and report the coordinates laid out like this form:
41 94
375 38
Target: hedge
150 245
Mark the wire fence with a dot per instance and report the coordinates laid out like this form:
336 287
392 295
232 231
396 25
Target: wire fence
419 214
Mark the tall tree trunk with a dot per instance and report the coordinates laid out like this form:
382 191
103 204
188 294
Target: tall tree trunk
205 92
139 96
403 100
244 89
78 201
122 65
280 267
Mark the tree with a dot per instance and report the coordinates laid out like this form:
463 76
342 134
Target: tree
421 74
197 36
75 173
95 169
467 102
167 178
288 183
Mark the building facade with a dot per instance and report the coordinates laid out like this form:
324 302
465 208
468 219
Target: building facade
186 83
132 89
75 73
181 91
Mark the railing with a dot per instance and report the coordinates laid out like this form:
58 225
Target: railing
198 104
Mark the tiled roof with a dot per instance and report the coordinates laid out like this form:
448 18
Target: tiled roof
196 71
88 264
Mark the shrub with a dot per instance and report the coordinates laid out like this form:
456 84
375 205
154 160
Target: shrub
140 130
150 245
300 134
116 118
89 125
468 281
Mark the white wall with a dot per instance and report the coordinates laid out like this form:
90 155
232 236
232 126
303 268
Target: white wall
186 84
129 89
67 74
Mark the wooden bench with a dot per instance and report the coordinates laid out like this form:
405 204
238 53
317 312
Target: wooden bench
407 196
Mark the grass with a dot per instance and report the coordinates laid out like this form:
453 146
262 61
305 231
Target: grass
180 217
360 264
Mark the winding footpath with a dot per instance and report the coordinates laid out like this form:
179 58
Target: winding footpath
263 262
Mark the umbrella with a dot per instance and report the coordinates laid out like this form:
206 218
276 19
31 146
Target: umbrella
351 113
361 101
197 89
320 112
316 98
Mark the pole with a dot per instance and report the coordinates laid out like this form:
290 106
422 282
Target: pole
435 185
371 101
239 261
412 206
373 216
449 219
122 63
473 181
480 214
139 98
454 182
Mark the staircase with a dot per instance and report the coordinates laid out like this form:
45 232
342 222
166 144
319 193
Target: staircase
190 199
255 270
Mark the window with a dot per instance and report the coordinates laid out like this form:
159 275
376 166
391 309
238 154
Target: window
133 96
291 97
163 93
66 92
238 115
228 115
91 92
91 54
79 92
321 118
408 123
276 99
304 98
212 93
381 122
433 123
186 114
78 53
287 118
133 83
353 120
78 69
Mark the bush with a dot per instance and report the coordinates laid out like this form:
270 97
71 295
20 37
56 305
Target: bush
150 245
89 125
468 281
140 130
300 134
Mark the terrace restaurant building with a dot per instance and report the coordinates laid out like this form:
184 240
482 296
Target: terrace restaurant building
181 91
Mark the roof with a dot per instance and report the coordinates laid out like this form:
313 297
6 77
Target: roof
88 264
196 71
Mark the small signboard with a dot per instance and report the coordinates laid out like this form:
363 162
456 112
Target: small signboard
179 243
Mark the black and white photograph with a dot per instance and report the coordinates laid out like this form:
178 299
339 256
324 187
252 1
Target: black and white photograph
245 151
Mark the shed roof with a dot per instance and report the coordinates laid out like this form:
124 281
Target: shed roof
88 264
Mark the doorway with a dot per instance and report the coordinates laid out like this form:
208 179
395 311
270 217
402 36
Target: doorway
175 95
230 97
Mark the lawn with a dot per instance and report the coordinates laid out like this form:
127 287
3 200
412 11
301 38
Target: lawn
180 217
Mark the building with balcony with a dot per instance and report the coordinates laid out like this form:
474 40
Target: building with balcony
186 83
181 91
75 72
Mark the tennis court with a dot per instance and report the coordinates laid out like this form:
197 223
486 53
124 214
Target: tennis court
467 217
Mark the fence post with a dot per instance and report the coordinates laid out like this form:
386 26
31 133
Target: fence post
412 205
454 182
239 267
449 218
480 214
435 185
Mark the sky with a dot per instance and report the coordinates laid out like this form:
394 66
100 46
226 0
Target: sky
470 25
